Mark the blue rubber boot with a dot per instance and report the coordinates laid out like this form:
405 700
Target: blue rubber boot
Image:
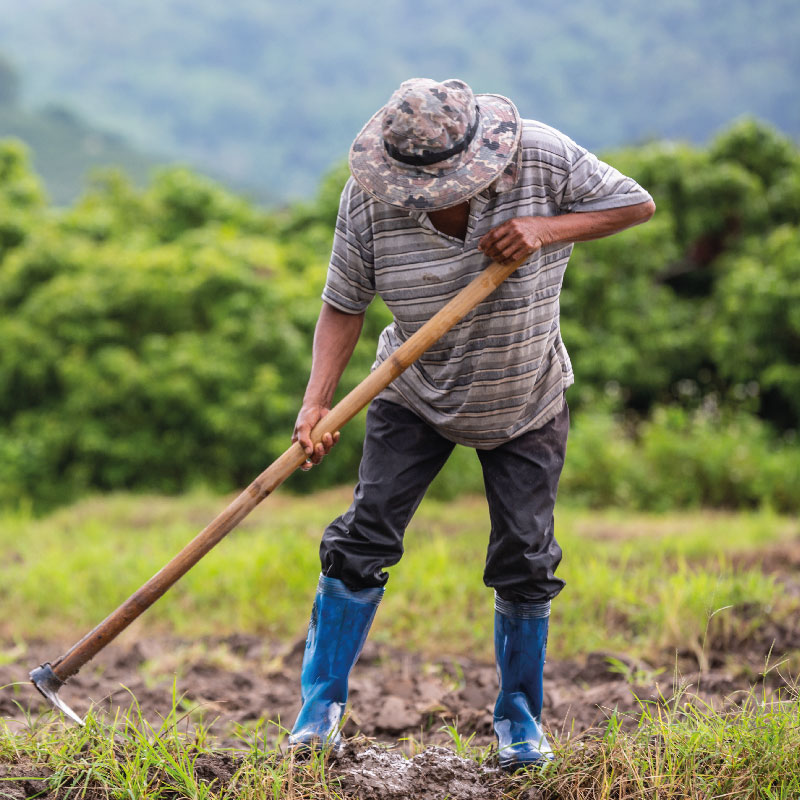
340 621
520 639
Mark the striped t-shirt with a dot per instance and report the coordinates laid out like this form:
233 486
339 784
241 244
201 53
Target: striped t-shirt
503 369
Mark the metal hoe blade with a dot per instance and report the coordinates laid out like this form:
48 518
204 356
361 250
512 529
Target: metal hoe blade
48 683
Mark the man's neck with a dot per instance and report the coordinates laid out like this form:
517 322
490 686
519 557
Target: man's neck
451 221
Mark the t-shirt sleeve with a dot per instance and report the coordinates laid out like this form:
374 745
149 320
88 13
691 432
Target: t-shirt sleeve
350 285
593 185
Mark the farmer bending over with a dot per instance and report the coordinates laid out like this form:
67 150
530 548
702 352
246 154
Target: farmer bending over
443 182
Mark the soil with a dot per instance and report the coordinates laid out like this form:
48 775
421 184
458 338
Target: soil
397 698
22 779
237 680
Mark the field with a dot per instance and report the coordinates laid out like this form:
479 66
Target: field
672 663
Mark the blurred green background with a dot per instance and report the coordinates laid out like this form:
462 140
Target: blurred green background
156 321
267 95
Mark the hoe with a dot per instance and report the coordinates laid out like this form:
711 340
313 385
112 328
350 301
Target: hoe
50 677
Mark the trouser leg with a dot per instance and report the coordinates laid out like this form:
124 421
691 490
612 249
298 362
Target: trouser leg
521 480
402 455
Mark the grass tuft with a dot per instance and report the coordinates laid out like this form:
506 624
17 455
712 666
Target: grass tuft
675 750
643 589
684 750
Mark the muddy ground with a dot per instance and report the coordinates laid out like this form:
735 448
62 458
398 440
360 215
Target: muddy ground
235 683
396 697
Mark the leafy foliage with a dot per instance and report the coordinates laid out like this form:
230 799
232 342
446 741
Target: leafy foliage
151 340
159 339
697 303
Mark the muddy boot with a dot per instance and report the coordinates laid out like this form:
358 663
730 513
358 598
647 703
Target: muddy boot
340 621
520 638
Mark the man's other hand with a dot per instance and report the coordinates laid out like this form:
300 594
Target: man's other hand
515 239
310 414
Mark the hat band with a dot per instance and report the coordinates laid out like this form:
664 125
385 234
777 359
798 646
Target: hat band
427 157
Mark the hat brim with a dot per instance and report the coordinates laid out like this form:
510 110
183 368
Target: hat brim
446 183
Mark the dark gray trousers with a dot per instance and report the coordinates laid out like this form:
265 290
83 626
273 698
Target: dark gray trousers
402 455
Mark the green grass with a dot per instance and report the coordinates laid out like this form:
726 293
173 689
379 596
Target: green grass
644 585
641 586
675 751
130 758
686 751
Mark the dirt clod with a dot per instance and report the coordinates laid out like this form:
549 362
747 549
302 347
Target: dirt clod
216 768
23 779
377 773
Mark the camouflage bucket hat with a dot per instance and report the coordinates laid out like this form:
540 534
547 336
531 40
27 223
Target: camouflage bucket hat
434 145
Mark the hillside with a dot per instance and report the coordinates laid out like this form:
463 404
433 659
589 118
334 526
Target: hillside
66 149
270 94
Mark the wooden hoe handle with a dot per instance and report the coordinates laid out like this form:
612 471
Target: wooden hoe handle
275 474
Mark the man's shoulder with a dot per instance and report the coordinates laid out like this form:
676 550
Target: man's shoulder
353 194
538 136
362 209
355 198
355 205
361 215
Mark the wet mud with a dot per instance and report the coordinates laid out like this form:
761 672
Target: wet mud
401 703
233 682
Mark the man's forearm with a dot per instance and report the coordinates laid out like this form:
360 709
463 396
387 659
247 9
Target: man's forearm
582 226
335 339
519 237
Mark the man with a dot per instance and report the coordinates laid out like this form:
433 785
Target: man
444 181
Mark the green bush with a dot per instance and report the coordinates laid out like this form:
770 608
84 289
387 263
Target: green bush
680 459
161 338
756 328
155 341
21 197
